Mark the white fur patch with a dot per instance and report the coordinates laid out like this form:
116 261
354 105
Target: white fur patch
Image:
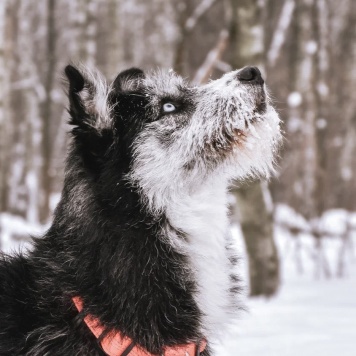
202 214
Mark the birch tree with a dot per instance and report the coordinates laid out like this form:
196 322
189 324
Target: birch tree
23 172
3 104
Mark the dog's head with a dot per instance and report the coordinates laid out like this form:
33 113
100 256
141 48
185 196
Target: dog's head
161 135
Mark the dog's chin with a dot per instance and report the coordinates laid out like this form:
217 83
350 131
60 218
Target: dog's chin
255 147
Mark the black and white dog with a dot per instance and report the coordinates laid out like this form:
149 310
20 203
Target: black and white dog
138 260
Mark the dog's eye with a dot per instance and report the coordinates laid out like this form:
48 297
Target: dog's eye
168 107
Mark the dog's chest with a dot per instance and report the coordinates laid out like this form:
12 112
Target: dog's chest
203 218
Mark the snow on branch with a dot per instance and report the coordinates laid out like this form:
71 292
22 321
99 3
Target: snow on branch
198 12
280 32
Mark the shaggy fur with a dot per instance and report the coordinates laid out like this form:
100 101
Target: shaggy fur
141 231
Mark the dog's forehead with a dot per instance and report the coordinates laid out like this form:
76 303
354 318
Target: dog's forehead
164 83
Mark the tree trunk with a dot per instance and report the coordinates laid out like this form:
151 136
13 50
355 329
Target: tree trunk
3 108
47 113
257 227
25 128
256 221
114 42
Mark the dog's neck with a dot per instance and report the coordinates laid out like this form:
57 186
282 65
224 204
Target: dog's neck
202 215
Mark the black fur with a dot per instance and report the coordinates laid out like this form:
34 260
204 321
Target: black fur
103 246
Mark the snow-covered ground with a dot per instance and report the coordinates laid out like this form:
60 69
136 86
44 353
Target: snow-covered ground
312 315
308 317
15 232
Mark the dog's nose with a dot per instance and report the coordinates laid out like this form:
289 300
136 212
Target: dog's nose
250 75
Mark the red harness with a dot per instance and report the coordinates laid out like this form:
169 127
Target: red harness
115 344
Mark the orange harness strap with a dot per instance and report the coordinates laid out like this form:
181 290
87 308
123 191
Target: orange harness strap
114 344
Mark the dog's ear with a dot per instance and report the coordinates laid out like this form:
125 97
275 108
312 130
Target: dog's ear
88 98
128 80
89 110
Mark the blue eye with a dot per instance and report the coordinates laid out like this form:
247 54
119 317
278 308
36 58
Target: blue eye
168 107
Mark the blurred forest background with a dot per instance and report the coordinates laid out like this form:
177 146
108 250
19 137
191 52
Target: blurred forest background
306 50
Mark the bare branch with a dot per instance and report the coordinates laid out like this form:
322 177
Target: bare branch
223 66
280 32
204 72
198 12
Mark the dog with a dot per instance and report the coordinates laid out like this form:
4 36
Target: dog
138 259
